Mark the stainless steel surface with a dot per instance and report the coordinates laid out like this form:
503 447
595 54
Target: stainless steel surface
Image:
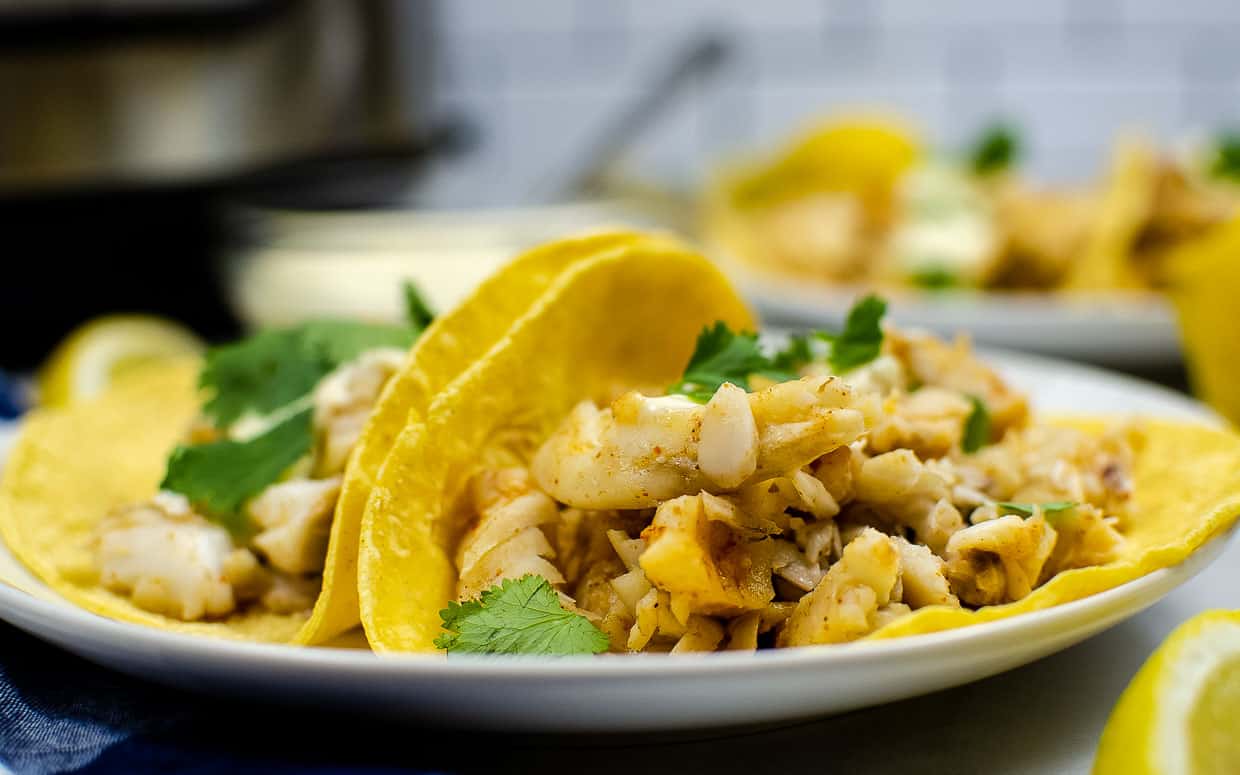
88 101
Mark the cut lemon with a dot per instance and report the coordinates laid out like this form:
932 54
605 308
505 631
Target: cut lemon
1181 714
91 357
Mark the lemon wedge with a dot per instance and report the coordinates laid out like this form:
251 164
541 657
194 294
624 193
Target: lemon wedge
1181 713
95 353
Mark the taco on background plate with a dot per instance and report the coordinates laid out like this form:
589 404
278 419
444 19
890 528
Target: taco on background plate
630 469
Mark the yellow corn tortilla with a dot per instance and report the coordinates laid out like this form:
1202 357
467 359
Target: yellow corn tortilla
865 154
862 153
1187 490
451 343
71 466
626 317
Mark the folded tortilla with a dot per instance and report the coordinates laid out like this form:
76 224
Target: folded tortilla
443 351
71 466
623 318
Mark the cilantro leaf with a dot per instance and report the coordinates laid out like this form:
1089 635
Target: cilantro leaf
259 374
335 342
795 354
1026 509
976 427
220 476
1226 161
721 355
998 148
271 369
521 616
862 338
417 311
935 278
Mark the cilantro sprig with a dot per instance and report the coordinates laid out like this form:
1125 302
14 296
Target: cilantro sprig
998 148
935 278
976 427
273 368
518 616
1028 509
417 311
862 338
1225 157
270 377
220 476
722 355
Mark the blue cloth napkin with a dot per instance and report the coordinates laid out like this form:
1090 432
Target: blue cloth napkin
59 713
14 396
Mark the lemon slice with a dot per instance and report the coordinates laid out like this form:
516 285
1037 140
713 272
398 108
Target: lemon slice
95 353
1181 714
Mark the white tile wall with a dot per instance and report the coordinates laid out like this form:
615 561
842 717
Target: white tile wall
541 77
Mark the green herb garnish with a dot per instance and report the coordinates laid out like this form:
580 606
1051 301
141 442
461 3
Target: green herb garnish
258 375
1027 509
798 352
862 338
269 377
273 368
1226 161
522 616
976 427
720 355
935 278
221 476
997 149
417 311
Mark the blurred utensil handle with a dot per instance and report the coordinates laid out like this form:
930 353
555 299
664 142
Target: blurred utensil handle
693 60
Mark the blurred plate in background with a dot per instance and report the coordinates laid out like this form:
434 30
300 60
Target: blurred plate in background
1130 330
294 265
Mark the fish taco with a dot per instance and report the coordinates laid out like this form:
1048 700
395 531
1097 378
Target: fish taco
224 496
631 469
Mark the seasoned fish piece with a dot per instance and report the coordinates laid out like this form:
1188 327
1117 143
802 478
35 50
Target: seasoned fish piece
954 366
294 521
930 422
910 492
923 576
167 558
728 445
343 401
507 540
642 451
999 560
1085 537
705 562
845 604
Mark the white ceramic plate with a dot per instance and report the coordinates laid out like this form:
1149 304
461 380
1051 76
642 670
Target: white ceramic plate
642 692
1120 329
